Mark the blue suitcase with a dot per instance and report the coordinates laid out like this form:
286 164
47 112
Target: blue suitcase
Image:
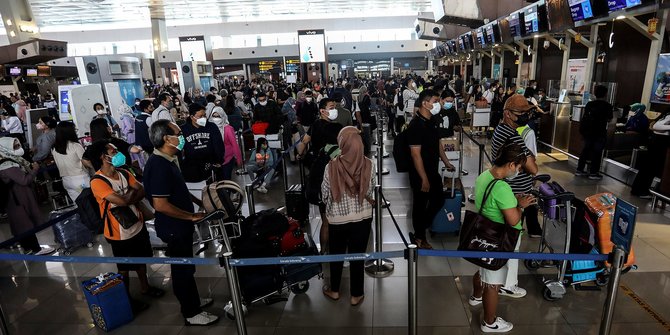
108 301
448 219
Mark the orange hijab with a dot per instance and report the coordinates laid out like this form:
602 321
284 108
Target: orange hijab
350 171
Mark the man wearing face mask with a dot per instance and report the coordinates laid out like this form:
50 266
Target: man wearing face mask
307 111
424 177
204 148
175 216
162 111
515 115
450 120
268 111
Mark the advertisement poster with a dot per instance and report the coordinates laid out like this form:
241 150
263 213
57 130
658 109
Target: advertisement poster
131 89
576 74
660 91
312 44
623 225
193 48
496 71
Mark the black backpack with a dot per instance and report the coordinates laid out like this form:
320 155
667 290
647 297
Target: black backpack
88 208
401 152
315 179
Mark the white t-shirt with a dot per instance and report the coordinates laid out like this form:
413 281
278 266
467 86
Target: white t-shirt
70 163
12 125
120 187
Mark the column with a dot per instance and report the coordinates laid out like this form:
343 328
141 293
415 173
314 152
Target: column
533 61
591 57
17 16
159 37
566 59
392 66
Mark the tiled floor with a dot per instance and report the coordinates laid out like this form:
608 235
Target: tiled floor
45 298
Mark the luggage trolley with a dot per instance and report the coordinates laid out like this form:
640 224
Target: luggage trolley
556 235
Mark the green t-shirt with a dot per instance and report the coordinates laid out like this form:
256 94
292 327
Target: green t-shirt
501 197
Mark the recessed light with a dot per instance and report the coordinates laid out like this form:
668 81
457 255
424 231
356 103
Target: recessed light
621 17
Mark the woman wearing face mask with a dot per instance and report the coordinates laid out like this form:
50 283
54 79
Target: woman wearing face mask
261 161
115 189
11 124
233 156
68 154
496 201
22 209
102 114
42 149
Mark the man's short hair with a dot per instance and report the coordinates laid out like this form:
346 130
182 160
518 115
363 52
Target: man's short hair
426 95
447 93
144 104
194 108
210 98
159 129
600 91
324 102
163 96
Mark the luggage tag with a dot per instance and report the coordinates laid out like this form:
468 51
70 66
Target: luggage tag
450 216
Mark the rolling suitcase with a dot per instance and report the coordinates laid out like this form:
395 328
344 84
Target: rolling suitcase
70 233
602 205
448 219
297 206
108 301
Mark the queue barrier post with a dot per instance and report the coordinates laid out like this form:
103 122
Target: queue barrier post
236 297
251 204
381 170
240 143
412 287
482 149
381 267
619 256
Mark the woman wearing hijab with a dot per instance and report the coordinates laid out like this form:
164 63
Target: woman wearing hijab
233 156
347 191
128 132
17 176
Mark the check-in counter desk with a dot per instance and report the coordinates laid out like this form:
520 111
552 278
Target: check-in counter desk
555 128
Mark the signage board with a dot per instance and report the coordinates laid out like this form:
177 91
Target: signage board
193 48
312 45
623 225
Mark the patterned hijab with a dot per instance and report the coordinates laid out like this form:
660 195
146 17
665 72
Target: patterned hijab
7 152
350 172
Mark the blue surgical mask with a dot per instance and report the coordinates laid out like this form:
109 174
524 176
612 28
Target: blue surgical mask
448 105
181 144
118 160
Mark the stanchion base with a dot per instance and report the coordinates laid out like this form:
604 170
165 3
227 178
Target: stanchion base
379 267
241 172
386 204
385 155
385 171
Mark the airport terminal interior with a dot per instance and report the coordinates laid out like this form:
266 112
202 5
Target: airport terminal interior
192 134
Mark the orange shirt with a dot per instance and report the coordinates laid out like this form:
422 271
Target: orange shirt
121 186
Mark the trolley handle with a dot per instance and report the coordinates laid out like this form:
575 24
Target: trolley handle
565 196
215 215
543 178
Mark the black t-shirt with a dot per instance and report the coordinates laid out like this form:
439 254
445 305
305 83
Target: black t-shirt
596 116
425 133
157 172
204 147
454 120
321 133
307 112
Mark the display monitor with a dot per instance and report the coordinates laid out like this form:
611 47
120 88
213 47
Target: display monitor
468 41
43 71
461 43
587 9
492 33
14 71
534 18
614 5
453 46
312 45
481 37
515 24
31 72
559 16
193 49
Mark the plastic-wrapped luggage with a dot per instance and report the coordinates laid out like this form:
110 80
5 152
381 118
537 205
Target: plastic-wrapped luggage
70 233
108 301
602 205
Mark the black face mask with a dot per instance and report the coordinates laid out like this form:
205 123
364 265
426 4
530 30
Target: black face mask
522 120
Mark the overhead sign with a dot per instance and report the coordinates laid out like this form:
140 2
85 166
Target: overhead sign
623 225
312 45
193 48
660 91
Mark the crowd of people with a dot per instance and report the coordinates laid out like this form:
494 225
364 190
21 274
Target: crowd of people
191 139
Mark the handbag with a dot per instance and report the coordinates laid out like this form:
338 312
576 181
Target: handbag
124 215
481 104
481 234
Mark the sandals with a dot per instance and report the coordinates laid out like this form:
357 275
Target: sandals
355 301
423 244
154 292
328 293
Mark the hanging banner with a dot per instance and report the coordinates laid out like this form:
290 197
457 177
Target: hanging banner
496 71
660 91
576 75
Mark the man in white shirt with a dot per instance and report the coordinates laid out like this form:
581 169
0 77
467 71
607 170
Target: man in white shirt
162 112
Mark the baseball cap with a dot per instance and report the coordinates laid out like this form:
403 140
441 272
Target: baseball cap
517 103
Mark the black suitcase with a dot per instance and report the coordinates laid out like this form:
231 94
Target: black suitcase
297 205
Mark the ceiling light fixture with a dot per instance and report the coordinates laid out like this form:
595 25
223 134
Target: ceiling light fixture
621 17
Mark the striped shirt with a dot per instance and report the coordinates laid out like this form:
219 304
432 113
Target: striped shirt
503 135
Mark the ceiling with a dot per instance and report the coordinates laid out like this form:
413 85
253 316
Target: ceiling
50 13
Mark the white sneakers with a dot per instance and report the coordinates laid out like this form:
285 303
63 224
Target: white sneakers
498 326
474 301
202 319
512 291
45 251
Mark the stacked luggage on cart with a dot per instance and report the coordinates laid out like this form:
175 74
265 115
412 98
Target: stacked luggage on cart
270 233
570 225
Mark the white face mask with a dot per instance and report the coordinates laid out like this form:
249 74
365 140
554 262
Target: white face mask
436 108
413 85
513 175
332 114
201 122
217 121
308 99
19 152
263 103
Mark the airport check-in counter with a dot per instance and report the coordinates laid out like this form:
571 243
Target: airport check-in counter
555 127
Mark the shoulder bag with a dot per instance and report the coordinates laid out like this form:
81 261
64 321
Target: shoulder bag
481 234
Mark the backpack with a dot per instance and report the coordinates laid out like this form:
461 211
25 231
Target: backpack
265 225
226 195
401 152
88 209
142 132
316 172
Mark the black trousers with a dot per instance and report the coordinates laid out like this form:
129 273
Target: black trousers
399 122
30 243
593 151
532 222
424 208
652 165
349 238
183 281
